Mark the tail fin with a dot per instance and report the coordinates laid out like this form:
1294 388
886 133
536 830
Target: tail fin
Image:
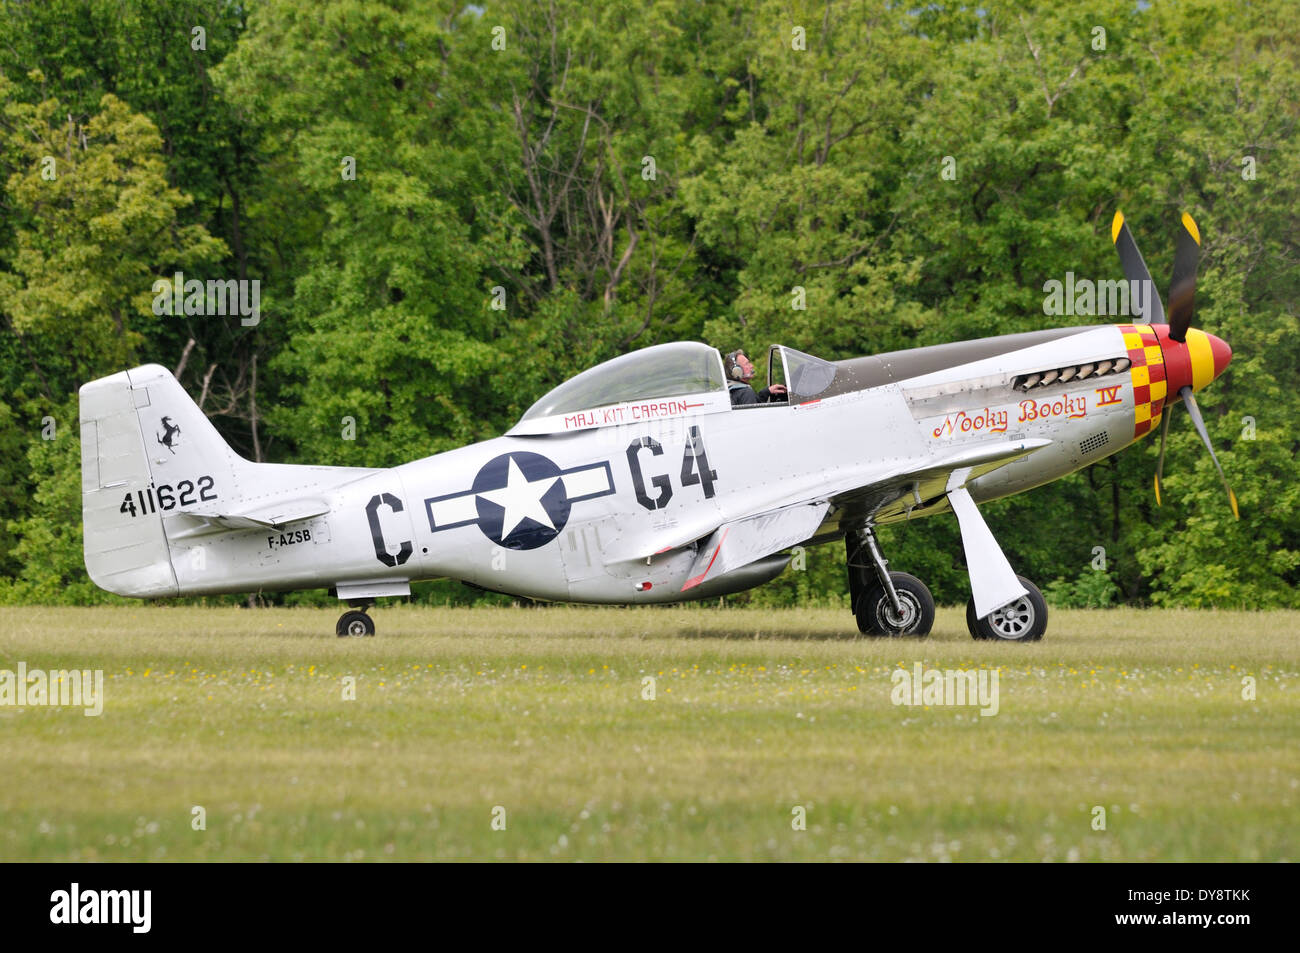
146 449
158 483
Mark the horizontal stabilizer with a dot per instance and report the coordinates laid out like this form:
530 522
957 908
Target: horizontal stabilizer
273 516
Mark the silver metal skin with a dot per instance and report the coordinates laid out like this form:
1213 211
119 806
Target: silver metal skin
635 482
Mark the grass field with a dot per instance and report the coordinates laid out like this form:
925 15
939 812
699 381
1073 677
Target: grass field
541 712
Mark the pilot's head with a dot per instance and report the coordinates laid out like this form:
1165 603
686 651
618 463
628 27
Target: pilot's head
738 366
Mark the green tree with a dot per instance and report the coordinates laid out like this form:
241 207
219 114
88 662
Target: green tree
379 124
803 198
91 215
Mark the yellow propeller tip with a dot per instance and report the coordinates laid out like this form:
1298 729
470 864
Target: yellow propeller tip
1116 224
1190 224
1158 503
1232 497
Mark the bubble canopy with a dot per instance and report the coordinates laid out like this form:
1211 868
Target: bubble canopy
664 370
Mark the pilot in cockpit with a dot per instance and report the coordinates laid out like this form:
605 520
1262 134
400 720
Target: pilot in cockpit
740 371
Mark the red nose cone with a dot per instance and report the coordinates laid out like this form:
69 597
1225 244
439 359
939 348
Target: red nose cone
1191 363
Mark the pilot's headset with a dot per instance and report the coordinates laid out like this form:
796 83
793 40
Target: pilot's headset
732 366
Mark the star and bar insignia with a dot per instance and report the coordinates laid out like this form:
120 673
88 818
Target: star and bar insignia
520 500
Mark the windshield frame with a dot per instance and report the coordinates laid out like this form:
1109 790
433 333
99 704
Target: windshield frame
804 362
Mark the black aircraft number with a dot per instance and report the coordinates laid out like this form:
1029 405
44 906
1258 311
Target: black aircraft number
695 470
166 497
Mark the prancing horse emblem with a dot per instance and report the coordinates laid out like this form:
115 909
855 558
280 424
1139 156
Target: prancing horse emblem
170 433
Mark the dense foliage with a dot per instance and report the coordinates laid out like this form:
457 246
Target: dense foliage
626 173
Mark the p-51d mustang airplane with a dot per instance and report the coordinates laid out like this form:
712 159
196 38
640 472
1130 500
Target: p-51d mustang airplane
637 481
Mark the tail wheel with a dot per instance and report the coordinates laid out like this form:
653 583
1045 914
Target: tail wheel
354 622
875 611
1024 620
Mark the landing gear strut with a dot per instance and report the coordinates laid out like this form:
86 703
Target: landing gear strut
884 603
355 621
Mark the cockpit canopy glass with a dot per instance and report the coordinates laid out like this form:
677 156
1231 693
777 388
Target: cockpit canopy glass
805 375
665 370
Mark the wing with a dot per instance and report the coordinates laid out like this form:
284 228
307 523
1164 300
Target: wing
923 490
742 541
845 500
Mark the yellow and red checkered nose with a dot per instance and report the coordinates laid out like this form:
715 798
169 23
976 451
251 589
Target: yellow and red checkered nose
1193 363
1160 368
1147 370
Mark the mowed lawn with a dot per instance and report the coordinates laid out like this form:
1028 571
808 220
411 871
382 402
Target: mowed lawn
537 718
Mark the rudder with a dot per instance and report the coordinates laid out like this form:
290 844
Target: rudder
146 448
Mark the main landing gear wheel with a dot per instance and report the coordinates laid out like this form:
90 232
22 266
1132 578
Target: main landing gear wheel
354 622
876 614
1024 620
906 610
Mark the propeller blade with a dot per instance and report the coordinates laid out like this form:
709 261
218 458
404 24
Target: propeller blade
1160 463
1195 412
1135 269
1182 288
